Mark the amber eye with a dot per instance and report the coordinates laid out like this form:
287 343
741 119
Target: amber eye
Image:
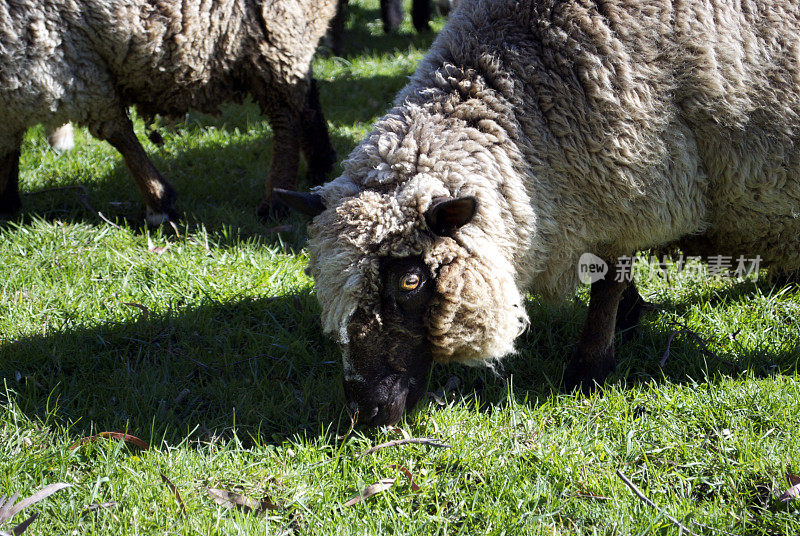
409 282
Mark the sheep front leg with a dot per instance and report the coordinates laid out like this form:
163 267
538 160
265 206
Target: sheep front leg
159 196
9 184
319 154
594 358
285 159
421 15
392 15
629 313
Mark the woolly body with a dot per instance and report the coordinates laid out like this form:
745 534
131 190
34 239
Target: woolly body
87 60
601 127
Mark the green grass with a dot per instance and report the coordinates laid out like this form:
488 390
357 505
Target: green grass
211 353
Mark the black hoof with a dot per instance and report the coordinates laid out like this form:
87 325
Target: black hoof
273 210
10 205
319 169
629 313
588 374
423 28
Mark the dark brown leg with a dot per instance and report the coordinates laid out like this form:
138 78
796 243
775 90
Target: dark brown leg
421 15
391 14
285 159
9 184
159 195
318 152
337 28
629 313
594 358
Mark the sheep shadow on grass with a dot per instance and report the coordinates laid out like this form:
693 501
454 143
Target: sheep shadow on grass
259 363
263 364
219 186
543 351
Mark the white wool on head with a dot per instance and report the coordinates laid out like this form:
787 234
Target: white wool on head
377 210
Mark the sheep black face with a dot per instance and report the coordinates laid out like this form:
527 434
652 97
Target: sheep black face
378 300
387 359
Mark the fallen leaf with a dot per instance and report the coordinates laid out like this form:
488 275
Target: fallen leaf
181 396
133 440
402 432
19 529
177 232
432 441
8 509
408 474
158 250
378 487
100 506
174 489
794 491
229 499
145 311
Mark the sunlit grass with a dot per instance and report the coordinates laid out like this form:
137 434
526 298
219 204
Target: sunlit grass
206 344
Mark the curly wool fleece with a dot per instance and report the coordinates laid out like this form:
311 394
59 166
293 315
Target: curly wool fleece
580 127
477 309
87 60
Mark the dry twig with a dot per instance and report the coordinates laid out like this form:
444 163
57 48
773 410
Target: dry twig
431 441
636 491
700 342
8 509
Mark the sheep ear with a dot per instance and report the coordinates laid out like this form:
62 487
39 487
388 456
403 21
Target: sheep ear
446 215
309 204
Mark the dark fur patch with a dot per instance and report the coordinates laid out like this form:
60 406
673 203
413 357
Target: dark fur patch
391 354
9 184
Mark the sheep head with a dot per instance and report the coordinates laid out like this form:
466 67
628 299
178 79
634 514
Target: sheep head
399 292
414 252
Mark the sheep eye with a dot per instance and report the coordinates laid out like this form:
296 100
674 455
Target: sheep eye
409 282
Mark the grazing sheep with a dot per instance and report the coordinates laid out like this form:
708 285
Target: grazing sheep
391 15
535 131
87 61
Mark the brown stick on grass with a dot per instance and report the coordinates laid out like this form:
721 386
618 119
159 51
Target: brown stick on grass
636 491
431 441
700 342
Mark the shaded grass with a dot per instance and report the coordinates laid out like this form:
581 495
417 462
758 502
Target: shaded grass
220 366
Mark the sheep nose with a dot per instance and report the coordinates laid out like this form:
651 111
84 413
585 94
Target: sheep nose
363 414
367 415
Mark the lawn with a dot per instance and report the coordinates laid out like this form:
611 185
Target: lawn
203 342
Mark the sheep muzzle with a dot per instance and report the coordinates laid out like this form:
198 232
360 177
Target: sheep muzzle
385 373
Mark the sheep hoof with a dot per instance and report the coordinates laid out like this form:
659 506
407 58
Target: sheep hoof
273 210
629 313
587 373
158 218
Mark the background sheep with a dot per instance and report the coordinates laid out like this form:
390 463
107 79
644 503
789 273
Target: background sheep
391 15
87 61
62 139
534 132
